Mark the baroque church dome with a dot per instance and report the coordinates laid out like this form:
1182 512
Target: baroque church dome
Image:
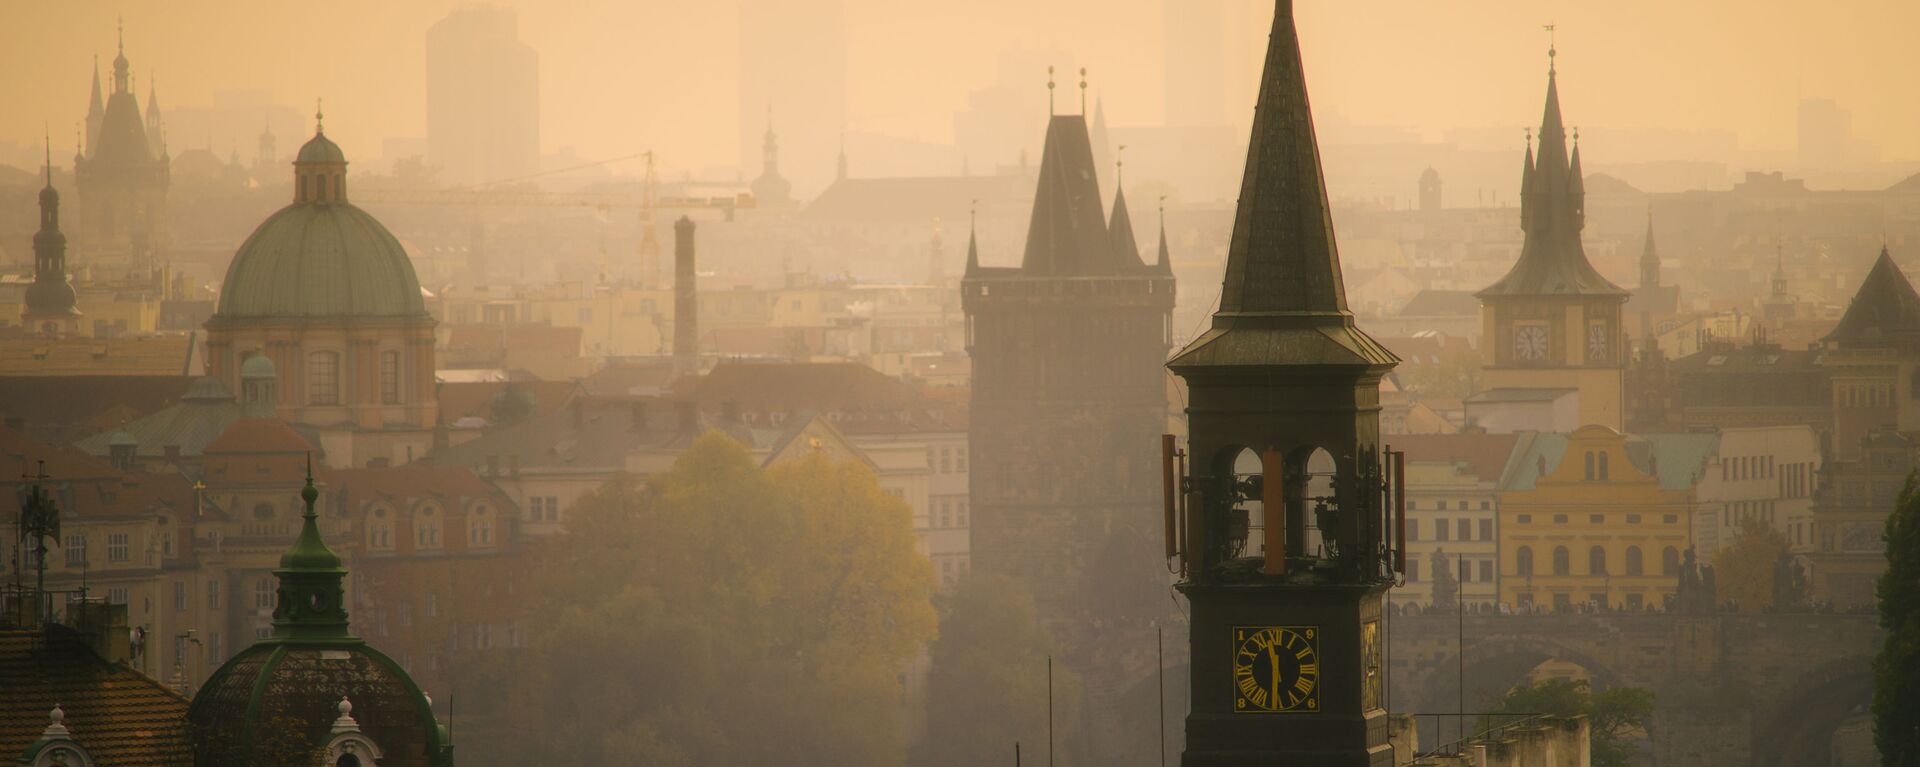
320 257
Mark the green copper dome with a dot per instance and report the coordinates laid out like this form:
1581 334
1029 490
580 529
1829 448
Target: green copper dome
257 367
321 259
320 149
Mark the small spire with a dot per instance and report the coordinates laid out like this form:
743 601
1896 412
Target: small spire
1049 91
319 118
1083 90
1552 48
48 138
120 22
973 241
1120 169
309 494
1165 263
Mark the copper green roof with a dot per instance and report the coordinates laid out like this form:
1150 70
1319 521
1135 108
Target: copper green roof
320 149
321 259
257 366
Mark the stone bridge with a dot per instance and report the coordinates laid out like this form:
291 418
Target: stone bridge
1734 689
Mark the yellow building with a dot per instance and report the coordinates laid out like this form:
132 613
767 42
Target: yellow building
1553 322
1597 517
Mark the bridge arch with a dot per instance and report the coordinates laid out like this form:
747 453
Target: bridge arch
1799 732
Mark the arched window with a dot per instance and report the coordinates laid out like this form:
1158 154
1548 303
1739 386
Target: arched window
1670 561
1589 467
426 529
1562 561
1596 561
1634 565
323 378
479 526
1523 561
1603 466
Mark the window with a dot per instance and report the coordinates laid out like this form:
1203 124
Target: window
433 606
1464 525
1486 529
1603 467
1439 529
1634 565
1671 519
117 595
1597 519
1559 519
1524 519
960 465
1413 527
1670 562
1589 466
426 529
1486 569
76 550
323 378
480 527
263 593
390 378
483 637
1596 561
946 460
1633 519
116 547
406 614
1466 571
960 520
1413 569
213 595
1523 561
179 596
1562 561
1486 505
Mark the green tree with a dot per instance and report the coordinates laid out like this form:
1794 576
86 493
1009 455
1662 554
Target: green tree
1745 571
1446 590
723 614
1896 693
1616 715
987 688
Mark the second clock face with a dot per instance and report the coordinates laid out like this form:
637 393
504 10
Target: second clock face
1597 342
1530 342
1276 669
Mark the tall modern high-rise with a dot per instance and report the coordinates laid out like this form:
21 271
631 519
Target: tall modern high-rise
1195 63
483 97
793 61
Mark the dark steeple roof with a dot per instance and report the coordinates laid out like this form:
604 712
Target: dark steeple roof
1067 235
1885 305
1649 259
50 295
1164 264
1552 213
1283 302
1121 228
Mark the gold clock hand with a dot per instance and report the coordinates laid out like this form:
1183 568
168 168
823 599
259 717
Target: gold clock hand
1273 659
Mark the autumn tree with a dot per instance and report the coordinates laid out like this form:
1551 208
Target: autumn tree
1746 570
987 688
724 614
1616 716
1896 693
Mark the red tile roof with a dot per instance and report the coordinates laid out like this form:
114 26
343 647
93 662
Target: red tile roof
120 716
1485 454
257 436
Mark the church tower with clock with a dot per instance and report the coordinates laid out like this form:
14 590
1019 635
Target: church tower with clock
1553 322
1281 515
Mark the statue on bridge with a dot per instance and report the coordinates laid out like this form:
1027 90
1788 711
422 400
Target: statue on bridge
1697 588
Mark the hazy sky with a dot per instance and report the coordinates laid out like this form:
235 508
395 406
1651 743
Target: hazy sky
620 76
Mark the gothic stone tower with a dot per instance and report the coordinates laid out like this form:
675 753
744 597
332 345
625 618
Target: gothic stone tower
1553 322
123 174
1284 559
1068 395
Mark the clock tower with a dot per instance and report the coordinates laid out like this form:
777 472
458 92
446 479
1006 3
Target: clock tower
1553 322
1279 518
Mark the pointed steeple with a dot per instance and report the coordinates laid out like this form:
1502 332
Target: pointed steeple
156 129
51 296
1553 262
1649 259
1884 308
1067 233
96 110
1282 260
1282 302
1164 264
1120 226
311 603
973 242
121 69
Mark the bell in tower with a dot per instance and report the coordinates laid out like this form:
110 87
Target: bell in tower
1282 522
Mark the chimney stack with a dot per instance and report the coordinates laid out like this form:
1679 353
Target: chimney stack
686 309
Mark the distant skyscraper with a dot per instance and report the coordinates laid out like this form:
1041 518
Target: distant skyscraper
483 97
793 57
1195 63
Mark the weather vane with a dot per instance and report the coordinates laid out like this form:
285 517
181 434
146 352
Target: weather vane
1049 91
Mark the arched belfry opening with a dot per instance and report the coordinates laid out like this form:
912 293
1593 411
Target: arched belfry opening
1277 502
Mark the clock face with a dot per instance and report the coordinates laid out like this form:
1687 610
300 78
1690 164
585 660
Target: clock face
1276 669
1530 342
1597 342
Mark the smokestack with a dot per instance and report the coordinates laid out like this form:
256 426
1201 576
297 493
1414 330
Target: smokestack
686 309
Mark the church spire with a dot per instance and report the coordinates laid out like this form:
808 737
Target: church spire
973 240
156 129
121 69
1649 258
311 602
1283 260
96 110
1552 214
50 300
1164 264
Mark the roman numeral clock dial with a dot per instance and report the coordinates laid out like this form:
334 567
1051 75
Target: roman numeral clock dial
1276 669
